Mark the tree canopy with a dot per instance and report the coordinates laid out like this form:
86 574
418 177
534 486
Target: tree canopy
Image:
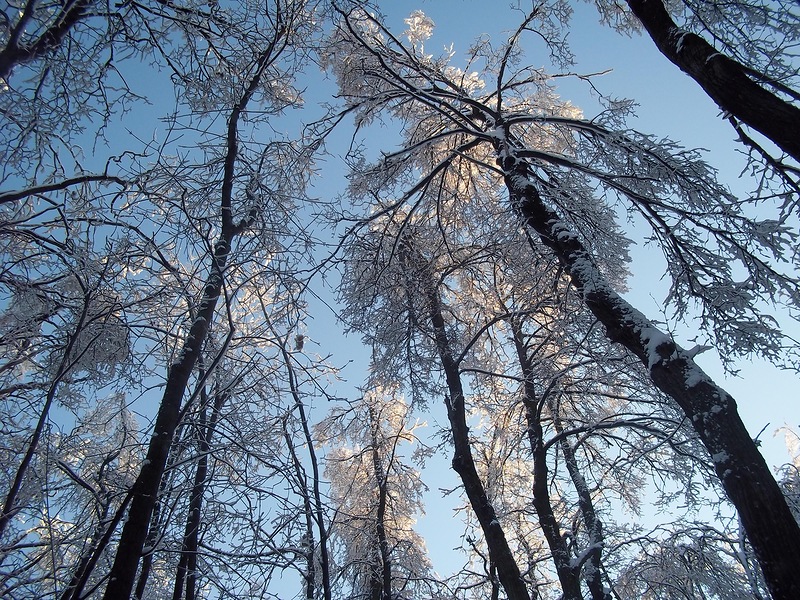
209 209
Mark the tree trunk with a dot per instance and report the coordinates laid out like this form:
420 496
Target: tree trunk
187 565
723 79
319 512
594 526
380 517
500 554
145 489
745 476
567 573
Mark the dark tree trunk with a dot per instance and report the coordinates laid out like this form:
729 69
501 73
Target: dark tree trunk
380 517
594 526
156 525
567 573
310 576
145 489
319 512
726 81
745 476
186 573
500 554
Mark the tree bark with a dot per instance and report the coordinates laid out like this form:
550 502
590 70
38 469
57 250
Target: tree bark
723 79
745 476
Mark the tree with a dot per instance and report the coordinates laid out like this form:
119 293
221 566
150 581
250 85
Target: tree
748 83
549 161
376 496
696 562
743 56
158 381
281 27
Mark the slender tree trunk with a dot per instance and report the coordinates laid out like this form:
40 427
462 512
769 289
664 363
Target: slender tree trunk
9 506
310 576
594 526
380 517
500 554
744 474
324 558
726 81
567 573
154 528
187 565
145 489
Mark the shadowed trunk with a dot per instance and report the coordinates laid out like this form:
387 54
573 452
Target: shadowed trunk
187 565
500 554
145 489
567 573
726 81
383 589
745 476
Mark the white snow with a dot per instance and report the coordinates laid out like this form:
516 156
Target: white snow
653 339
694 375
679 45
720 458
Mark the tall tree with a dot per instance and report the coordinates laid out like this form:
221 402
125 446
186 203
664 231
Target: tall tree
744 57
549 160
377 496
243 193
750 76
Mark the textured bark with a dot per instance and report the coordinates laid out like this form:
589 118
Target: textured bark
500 554
745 476
723 79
